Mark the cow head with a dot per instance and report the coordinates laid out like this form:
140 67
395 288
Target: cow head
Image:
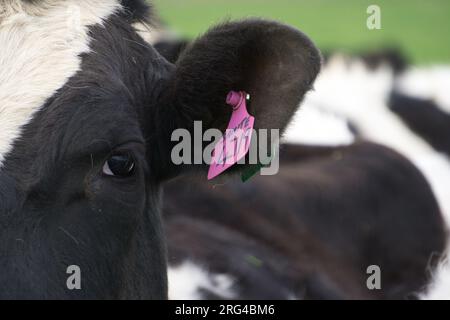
87 108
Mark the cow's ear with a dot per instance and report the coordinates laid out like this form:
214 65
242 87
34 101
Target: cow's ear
171 49
274 63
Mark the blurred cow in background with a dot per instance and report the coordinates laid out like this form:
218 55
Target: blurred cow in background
309 232
359 211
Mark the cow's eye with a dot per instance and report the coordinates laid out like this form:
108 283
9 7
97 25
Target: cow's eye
119 165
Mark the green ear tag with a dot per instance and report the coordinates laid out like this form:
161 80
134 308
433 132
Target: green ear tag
252 170
248 173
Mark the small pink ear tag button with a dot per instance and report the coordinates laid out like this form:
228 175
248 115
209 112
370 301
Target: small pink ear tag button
235 144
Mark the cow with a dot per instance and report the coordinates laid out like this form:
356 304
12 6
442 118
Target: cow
87 109
366 97
430 121
311 232
425 118
406 110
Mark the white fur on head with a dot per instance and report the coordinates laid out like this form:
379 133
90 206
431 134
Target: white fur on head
41 43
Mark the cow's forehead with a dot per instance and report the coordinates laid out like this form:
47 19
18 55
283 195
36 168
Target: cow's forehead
41 47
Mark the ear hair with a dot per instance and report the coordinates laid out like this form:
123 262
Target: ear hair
138 10
274 63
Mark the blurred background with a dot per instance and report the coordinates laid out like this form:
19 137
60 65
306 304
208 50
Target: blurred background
339 204
418 28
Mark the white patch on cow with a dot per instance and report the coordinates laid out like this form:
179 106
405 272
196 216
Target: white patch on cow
41 43
188 279
439 289
346 87
313 126
431 83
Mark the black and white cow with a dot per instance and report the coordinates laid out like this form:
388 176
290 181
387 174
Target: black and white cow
310 232
425 118
405 109
431 121
87 108
350 103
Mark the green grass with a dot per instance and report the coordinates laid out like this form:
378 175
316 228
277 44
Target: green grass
421 28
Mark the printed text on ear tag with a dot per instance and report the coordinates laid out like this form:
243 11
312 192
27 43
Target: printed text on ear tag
235 143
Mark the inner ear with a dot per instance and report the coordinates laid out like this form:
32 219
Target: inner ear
276 64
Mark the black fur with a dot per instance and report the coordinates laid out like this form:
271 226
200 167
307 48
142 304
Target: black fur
137 10
391 57
425 118
171 49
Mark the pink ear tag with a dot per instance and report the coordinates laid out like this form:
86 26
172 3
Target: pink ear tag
235 143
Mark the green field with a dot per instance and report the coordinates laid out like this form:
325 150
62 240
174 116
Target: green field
421 28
